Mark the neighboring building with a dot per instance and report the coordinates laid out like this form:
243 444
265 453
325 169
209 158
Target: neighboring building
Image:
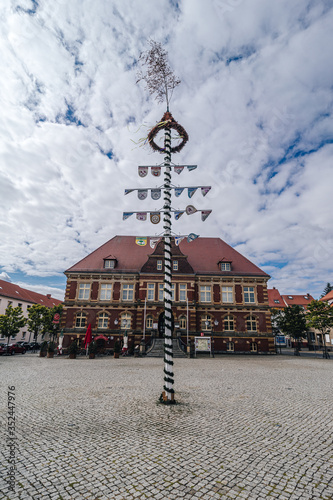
17 296
216 291
298 300
275 300
329 336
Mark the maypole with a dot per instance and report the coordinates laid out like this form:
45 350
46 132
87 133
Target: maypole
161 81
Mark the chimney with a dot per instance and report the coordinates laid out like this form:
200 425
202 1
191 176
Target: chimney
48 295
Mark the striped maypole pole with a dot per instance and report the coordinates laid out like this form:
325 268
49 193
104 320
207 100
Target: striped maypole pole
168 394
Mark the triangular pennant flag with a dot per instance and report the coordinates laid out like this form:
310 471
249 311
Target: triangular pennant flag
155 217
127 191
156 171
178 239
178 214
141 215
178 169
192 237
205 189
153 242
191 191
141 241
143 171
142 194
126 215
156 194
191 167
205 213
190 209
178 191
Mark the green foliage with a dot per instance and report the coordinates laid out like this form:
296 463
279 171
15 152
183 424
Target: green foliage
43 346
92 348
320 316
11 321
291 321
40 320
117 346
51 347
328 288
73 348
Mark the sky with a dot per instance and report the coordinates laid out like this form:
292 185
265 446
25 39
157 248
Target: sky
255 99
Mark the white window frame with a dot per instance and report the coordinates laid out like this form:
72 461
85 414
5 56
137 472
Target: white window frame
127 292
251 321
254 347
249 294
206 328
105 291
160 292
81 318
175 265
182 292
151 291
230 346
227 294
205 293
103 320
225 266
128 318
182 322
229 320
84 291
149 322
109 263
159 265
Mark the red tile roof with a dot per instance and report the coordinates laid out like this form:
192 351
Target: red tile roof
299 300
203 254
16 292
274 299
328 296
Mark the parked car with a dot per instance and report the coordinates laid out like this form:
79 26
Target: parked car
16 349
34 346
26 345
3 349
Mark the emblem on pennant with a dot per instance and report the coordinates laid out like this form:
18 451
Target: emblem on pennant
141 241
156 194
142 194
153 242
190 209
126 215
156 171
205 189
192 237
178 214
191 191
155 217
178 169
178 239
143 171
141 215
178 191
205 213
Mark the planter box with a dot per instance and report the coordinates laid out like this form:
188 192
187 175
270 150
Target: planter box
50 354
42 354
116 354
92 356
72 356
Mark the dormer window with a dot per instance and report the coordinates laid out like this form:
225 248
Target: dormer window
110 263
175 265
159 265
290 297
225 266
276 301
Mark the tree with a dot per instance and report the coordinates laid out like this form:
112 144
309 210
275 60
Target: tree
49 325
37 320
320 316
328 288
292 322
11 322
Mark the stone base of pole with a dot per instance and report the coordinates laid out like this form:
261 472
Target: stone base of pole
164 399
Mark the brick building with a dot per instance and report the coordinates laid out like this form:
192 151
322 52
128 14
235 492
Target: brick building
217 291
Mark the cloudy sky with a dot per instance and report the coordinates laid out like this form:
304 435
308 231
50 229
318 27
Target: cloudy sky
255 99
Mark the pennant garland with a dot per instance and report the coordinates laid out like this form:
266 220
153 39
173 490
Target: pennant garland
204 214
191 191
142 194
154 241
205 189
141 241
178 169
190 209
192 237
191 167
178 239
179 213
156 194
141 215
156 171
155 217
127 191
126 215
178 191
143 171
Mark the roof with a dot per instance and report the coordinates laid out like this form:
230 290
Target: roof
274 299
328 297
203 254
298 300
16 292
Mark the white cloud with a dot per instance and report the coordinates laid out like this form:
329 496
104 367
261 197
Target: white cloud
255 99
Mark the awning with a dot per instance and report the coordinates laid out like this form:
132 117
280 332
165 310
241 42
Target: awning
101 337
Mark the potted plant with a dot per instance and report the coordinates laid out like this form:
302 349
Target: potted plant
43 349
92 348
50 349
116 349
73 350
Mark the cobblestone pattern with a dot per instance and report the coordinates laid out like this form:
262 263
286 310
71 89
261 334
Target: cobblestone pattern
245 427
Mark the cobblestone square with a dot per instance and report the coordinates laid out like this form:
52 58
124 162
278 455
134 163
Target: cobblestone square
244 427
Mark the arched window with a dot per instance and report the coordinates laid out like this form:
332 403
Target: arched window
149 322
251 324
125 321
229 325
103 320
206 322
80 321
230 346
182 322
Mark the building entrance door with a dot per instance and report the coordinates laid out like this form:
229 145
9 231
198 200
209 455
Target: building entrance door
161 326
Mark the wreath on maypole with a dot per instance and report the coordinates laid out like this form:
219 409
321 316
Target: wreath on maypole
167 122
